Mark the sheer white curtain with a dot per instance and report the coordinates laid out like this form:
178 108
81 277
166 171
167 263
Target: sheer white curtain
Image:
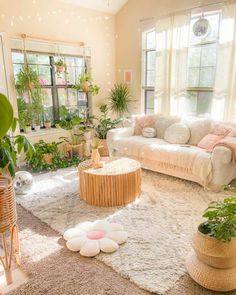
171 64
224 99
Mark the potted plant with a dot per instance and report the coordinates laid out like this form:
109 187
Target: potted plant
37 108
85 84
105 123
10 145
119 99
71 121
95 156
215 246
47 123
60 66
86 125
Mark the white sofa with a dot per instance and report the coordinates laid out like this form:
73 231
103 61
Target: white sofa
187 161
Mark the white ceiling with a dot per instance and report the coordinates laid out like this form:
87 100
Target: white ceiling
110 6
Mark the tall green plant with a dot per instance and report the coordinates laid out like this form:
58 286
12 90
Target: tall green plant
10 145
105 123
221 219
120 98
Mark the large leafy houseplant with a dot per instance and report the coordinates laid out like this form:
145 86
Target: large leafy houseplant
120 98
10 145
221 220
105 123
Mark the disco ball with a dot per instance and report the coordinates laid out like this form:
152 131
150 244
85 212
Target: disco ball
23 182
201 28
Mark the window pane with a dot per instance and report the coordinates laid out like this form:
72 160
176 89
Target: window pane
16 68
43 59
82 98
61 78
62 96
193 77
72 97
208 55
151 40
70 61
44 75
204 103
149 101
70 75
17 57
79 61
151 60
32 58
207 77
48 104
194 57
191 103
150 79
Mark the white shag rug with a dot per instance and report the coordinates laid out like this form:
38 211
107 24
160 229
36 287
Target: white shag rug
160 223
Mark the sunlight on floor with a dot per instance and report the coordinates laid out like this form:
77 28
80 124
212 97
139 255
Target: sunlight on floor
18 275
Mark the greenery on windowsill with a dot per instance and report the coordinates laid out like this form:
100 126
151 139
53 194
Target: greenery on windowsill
37 164
221 219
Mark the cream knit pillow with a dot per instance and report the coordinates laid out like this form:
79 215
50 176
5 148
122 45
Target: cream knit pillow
177 133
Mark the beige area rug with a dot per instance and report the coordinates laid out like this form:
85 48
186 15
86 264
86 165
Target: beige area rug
160 224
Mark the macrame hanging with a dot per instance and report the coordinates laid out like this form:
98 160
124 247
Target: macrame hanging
201 27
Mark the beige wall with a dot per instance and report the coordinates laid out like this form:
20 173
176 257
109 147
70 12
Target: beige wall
56 20
128 38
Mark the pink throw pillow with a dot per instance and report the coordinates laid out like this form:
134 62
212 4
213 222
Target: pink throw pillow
232 132
221 130
208 141
142 122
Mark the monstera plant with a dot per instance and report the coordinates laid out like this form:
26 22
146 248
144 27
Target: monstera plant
10 145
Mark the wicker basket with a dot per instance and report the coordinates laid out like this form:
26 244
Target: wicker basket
104 152
47 158
8 216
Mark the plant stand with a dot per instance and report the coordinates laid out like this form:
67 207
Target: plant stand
8 219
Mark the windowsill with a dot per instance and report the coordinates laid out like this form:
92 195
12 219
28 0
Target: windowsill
44 132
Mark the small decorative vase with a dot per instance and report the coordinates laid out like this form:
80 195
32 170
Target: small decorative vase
60 69
104 152
47 125
37 128
85 86
95 156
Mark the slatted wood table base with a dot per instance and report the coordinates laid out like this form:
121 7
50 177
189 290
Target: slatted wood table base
110 190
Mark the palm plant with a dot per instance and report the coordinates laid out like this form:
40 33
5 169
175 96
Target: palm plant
120 98
10 145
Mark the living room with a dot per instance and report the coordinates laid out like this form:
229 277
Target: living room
117 147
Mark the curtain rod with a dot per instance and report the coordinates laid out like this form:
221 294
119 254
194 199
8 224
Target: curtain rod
184 10
46 40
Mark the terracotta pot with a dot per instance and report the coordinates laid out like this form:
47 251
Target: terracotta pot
104 152
60 69
73 150
85 86
47 158
47 125
95 156
87 135
213 252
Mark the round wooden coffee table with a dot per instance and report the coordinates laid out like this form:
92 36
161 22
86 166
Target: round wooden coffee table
117 183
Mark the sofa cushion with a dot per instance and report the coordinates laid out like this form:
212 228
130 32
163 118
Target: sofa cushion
144 121
232 133
149 132
177 133
221 130
198 129
163 123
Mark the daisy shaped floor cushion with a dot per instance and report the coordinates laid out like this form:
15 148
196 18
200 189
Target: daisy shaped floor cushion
92 237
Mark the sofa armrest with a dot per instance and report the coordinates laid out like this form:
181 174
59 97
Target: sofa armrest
222 155
119 132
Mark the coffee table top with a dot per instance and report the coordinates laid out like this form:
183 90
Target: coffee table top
115 167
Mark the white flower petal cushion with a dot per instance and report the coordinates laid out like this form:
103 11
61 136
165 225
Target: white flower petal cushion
72 233
90 248
108 246
91 237
119 237
76 244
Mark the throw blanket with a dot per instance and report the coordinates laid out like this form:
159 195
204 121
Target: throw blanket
230 143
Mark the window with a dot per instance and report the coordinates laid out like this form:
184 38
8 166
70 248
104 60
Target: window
57 88
202 58
149 56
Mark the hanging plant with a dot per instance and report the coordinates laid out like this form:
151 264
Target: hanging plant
85 84
61 66
27 79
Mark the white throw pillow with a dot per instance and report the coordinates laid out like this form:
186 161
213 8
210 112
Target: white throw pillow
177 133
198 129
149 132
163 123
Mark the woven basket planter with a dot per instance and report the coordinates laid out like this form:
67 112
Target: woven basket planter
8 219
73 150
213 252
104 152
